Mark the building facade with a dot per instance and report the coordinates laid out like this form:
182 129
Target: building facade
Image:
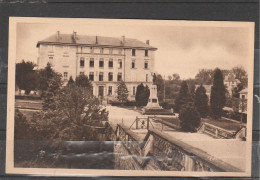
105 60
230 82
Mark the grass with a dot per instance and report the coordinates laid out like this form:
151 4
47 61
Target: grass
28 104
223 123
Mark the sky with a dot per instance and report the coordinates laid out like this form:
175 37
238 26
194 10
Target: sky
181 49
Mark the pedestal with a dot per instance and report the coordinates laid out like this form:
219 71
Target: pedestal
153 102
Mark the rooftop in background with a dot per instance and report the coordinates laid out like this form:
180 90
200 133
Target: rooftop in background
74 39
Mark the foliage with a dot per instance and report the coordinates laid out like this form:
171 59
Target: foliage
160 87
176 76
201 101
205 76
240 74
189 118
83 81
142 95
25 76
76 108
54 85
21 126
217 96
122 92
70 82
183 97
44 76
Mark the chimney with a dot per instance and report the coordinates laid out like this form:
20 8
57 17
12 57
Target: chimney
96 39
58 35
74 35
123 40
147 42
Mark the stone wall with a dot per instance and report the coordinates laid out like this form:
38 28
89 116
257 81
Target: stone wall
159 151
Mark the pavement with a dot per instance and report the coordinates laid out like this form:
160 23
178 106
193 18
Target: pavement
231 151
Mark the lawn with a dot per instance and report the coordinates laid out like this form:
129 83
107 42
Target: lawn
223 123
28 104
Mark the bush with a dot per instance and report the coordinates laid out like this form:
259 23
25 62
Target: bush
21 126
189 118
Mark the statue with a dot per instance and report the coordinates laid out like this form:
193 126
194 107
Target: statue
154 78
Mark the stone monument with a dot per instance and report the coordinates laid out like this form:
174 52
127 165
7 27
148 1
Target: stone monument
153 102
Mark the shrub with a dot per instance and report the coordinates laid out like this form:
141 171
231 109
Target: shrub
189 118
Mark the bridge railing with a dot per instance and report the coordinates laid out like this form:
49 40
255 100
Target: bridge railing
168 153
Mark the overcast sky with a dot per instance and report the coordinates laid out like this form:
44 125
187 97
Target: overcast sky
181 49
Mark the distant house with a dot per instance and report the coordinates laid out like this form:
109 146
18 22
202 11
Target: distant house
230 82
243 94
207 87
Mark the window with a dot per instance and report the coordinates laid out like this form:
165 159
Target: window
101 50
91 50
133 90
120 63
119 76
101 76
133 52
110 51
109 90
65 75
91 62
51 60
145 52
81 73
110 76
243 96
101 62
146 65
146 78
133 63
110 63
91 76
82 62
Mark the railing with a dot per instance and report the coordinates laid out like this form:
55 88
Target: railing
216 132
163 152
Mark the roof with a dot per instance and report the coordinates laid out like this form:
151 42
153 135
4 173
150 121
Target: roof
244 91
91 40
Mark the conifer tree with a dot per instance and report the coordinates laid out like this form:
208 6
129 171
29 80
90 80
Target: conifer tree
189 118
217 96
122 92
142 95
183 97
71 81
201 101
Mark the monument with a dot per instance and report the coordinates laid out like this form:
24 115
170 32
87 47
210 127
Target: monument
153 102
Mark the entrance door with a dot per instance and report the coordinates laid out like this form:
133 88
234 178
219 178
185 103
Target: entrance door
101 91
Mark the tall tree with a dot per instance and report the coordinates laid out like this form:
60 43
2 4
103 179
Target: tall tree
44 76
54 85
83 81
142 95
189 118
122 92
201 101
25 76
160 87
176 76
205 76
240 74
183 97
71 81
217 96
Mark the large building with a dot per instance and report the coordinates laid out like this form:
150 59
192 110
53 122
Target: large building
105 60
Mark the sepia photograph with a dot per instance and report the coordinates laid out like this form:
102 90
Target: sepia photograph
126 97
